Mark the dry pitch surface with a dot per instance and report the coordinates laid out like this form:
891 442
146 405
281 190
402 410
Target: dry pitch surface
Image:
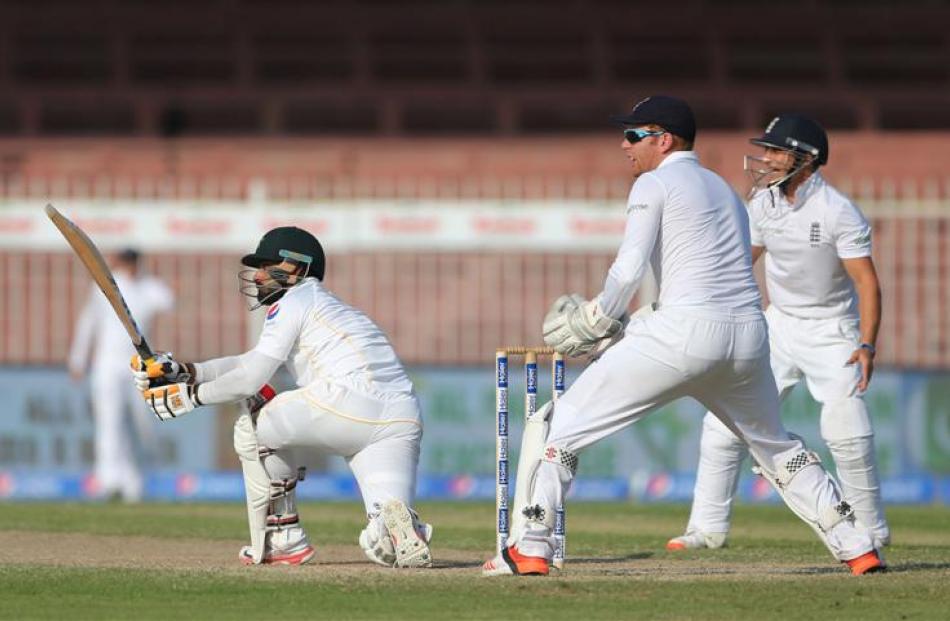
165 561
79 550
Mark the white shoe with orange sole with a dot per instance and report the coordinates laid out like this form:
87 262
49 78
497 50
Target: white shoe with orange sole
298 556
511 562
695 540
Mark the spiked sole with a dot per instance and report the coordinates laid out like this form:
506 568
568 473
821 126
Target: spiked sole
411 550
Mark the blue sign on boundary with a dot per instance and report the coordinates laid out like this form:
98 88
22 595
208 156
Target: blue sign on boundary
229 486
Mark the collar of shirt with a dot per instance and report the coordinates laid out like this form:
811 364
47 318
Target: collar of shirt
678 156
805 191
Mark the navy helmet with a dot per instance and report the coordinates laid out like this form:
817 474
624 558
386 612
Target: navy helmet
794 132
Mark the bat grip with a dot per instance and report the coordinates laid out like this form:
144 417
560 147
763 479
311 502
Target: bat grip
144 351
147 355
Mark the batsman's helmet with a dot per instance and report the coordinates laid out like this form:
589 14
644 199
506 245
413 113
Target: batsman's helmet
289 242
800 134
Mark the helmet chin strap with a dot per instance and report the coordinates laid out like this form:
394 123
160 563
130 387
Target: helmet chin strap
759 175
783 183
281 276
280 282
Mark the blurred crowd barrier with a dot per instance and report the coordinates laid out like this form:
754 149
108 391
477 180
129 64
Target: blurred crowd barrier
46 443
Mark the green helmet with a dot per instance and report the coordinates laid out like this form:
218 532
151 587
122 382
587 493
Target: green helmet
289 243
285 243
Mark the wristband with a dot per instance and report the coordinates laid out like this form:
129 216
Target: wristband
868 347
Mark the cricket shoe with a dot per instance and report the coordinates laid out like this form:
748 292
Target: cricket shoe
695 540
511 562
412 547
299 556
868 563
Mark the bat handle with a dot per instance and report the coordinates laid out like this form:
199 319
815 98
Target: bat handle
145 352
147 355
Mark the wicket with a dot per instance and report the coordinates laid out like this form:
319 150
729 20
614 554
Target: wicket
501 434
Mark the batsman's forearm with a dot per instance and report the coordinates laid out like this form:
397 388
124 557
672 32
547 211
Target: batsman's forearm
252 371
213 369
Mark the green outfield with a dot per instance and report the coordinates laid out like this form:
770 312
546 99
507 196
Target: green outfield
86 561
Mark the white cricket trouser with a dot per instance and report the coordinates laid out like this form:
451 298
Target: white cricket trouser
379 439
718 358
116 469
816 350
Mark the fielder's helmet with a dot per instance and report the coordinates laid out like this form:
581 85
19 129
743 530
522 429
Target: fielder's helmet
289 242
793 132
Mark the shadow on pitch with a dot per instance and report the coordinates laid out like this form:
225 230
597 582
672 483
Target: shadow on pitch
902 567
636 556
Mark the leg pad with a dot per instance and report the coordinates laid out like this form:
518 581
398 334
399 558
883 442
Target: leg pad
561 456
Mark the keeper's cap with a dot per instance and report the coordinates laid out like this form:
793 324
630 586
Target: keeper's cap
671 113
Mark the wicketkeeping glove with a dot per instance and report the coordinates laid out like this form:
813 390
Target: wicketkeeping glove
575 327
162 369
173 400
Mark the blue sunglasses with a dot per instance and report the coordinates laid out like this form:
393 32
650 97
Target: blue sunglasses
634 136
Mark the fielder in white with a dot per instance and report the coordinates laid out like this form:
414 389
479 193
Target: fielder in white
823 322
707 339
99 335
354 400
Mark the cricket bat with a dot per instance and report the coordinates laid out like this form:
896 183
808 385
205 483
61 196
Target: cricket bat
100 272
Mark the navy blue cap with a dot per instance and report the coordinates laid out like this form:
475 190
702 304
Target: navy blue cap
794 132
671 113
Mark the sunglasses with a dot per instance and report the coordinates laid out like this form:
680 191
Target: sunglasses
634 136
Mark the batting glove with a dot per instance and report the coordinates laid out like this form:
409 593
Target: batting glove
173 400
161 369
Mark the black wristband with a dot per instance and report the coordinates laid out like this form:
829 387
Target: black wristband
869 347
194 394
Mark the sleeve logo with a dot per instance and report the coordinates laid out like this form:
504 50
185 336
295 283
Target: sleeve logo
272 311
637 207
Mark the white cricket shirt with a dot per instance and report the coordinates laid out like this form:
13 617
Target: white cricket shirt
690 225
99 330
321 337
805 243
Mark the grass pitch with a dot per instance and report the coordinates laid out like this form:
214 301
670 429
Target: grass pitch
89 561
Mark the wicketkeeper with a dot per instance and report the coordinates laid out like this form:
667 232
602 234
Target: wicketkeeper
707 339
353 399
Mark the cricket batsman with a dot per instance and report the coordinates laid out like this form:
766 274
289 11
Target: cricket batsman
353 399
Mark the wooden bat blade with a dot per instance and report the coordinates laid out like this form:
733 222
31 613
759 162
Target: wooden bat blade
102 275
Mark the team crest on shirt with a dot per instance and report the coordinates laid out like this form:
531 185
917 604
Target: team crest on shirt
272 311
814 235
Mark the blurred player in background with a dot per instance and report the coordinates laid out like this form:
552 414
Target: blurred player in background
354 400
823 322
706 339
101 346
